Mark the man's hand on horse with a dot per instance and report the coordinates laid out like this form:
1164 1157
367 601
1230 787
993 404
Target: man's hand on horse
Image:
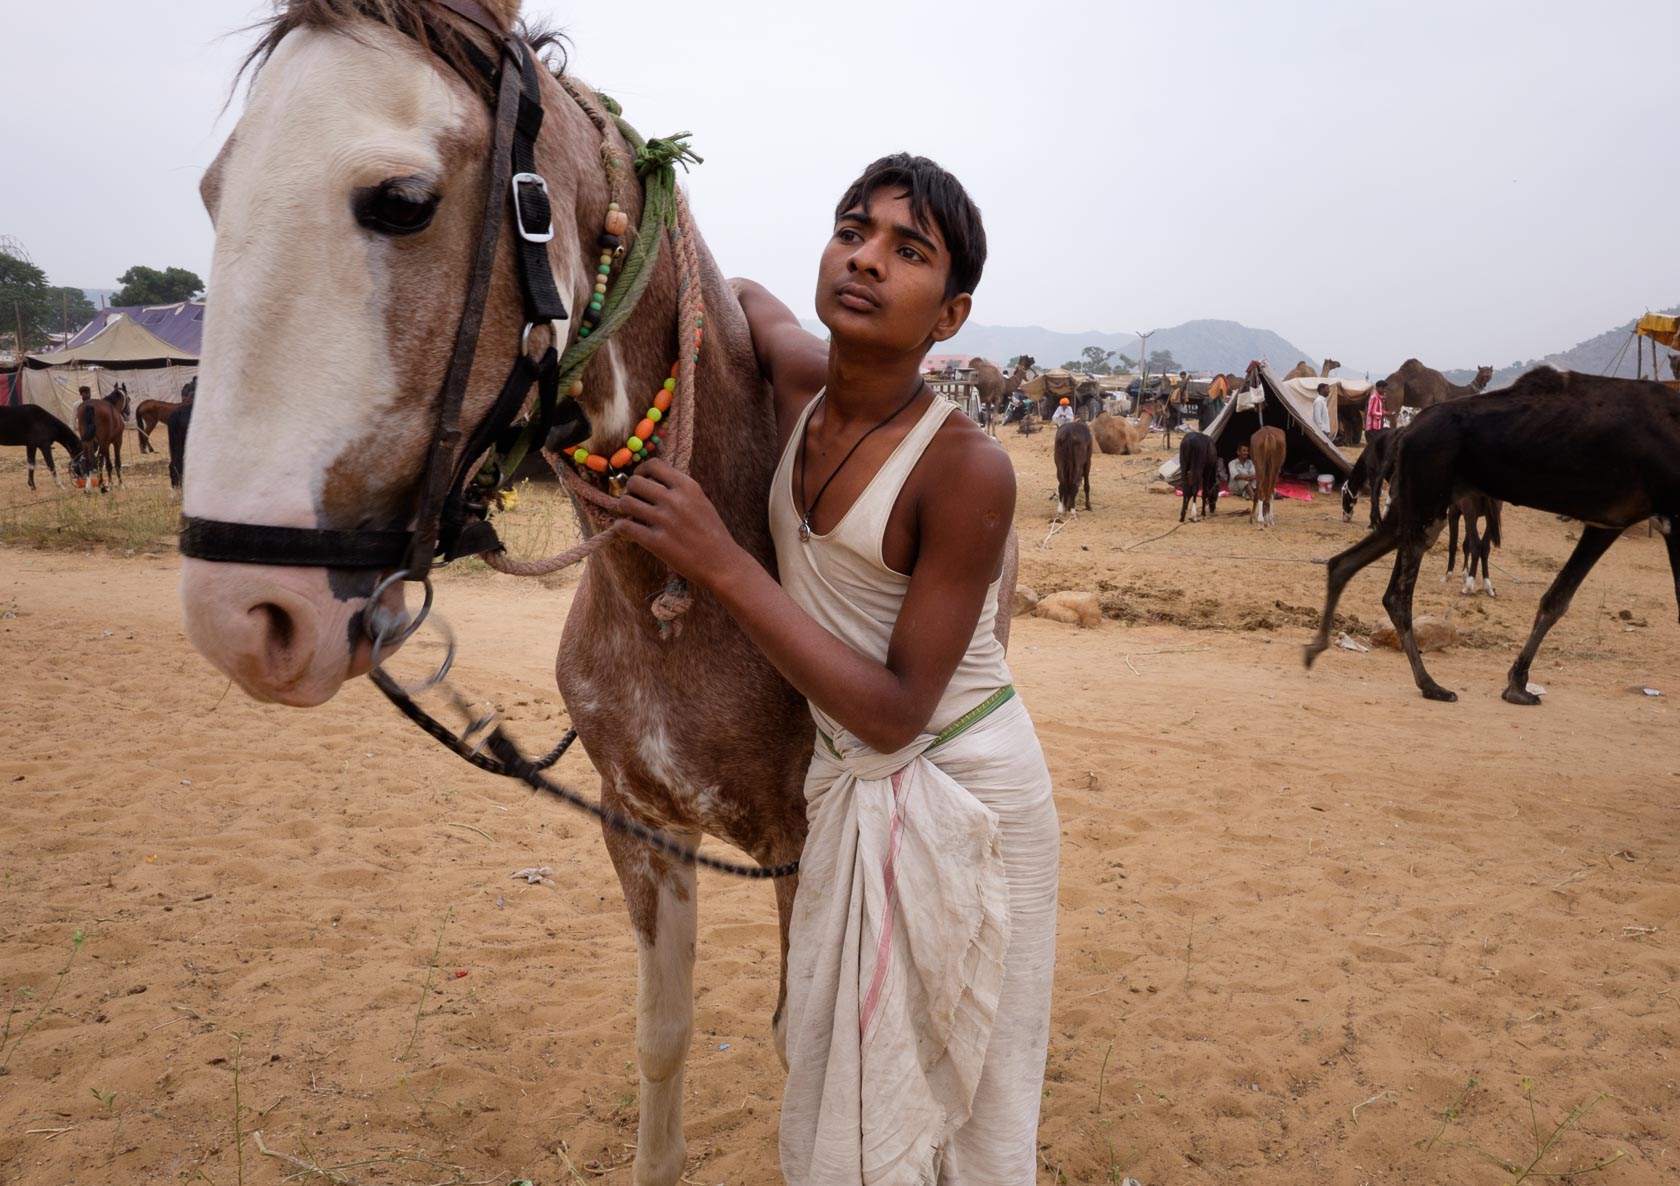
671 517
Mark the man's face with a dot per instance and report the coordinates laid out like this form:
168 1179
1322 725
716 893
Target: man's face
1242 452
881 282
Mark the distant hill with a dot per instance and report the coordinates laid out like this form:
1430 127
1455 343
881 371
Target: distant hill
1205 345
1609 353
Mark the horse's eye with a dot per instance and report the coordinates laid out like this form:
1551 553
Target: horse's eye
401 206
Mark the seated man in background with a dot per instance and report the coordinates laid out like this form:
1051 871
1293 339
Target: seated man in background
1242 474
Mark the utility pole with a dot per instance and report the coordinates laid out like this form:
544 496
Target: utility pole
1143 363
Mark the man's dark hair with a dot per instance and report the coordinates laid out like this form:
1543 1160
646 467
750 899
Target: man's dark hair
936 197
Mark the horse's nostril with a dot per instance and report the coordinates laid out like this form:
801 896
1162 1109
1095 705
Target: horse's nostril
279 627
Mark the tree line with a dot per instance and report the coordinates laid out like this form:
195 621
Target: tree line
1094 360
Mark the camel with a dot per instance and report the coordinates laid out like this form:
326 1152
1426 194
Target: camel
1073 465
1303 370
1602 451
995 388
1198 470
1115 434
1267 446
1417 386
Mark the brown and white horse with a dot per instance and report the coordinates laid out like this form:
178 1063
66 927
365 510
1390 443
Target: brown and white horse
99 425
693 735
1268 447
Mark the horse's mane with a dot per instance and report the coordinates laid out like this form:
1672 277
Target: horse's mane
405 16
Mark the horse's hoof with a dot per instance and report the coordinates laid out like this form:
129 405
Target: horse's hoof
1312 651
1436 692
1519 696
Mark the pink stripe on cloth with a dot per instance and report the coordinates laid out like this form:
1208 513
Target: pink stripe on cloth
883 948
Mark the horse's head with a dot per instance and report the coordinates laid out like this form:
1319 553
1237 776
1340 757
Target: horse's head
348 205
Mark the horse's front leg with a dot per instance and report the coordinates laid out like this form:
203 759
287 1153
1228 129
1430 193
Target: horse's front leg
661 898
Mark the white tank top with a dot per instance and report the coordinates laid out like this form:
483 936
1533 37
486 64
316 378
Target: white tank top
842 580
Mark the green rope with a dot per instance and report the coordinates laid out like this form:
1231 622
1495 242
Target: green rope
656 162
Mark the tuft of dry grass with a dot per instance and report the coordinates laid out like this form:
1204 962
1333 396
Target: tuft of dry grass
139 516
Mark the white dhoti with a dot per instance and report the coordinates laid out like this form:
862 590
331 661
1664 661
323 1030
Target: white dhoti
919 968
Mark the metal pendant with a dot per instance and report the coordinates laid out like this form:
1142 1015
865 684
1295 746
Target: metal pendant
804 531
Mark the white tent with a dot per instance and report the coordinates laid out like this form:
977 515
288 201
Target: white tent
1276 403
122 351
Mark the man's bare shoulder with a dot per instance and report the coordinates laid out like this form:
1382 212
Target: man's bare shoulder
969 467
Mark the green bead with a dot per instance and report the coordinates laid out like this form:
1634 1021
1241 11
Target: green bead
634 444
658 440
583 332
595 305
655 415
641 455
580 455
670 385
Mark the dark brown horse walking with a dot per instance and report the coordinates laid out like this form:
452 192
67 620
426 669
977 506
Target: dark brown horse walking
35 428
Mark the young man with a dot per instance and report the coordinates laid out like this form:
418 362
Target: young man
1321 409
923 932
1063 413
1374 410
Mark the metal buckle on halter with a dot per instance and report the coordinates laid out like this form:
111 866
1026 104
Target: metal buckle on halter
526 233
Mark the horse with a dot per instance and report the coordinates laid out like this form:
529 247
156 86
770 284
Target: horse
1198 469
1268 447
35 428
1478 544
1374 468
99 425
178 425
380 111
1073 448
1603 451
153 412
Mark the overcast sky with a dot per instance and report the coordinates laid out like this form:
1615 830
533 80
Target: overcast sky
1466 182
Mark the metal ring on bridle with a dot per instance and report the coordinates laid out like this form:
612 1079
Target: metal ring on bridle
437 677
375 630
525 335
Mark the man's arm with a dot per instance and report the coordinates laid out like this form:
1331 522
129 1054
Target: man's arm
963 523
791 357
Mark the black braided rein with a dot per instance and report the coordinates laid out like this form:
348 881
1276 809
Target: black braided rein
510 763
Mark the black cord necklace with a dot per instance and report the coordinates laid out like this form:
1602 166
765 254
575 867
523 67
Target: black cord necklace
804 452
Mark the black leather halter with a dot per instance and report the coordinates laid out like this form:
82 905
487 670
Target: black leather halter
450 520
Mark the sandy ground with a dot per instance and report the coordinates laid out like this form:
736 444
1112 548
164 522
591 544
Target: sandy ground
1301 913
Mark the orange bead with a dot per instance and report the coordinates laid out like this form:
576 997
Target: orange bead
620 459
674 367
617 222
645 430
662 401
596 462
